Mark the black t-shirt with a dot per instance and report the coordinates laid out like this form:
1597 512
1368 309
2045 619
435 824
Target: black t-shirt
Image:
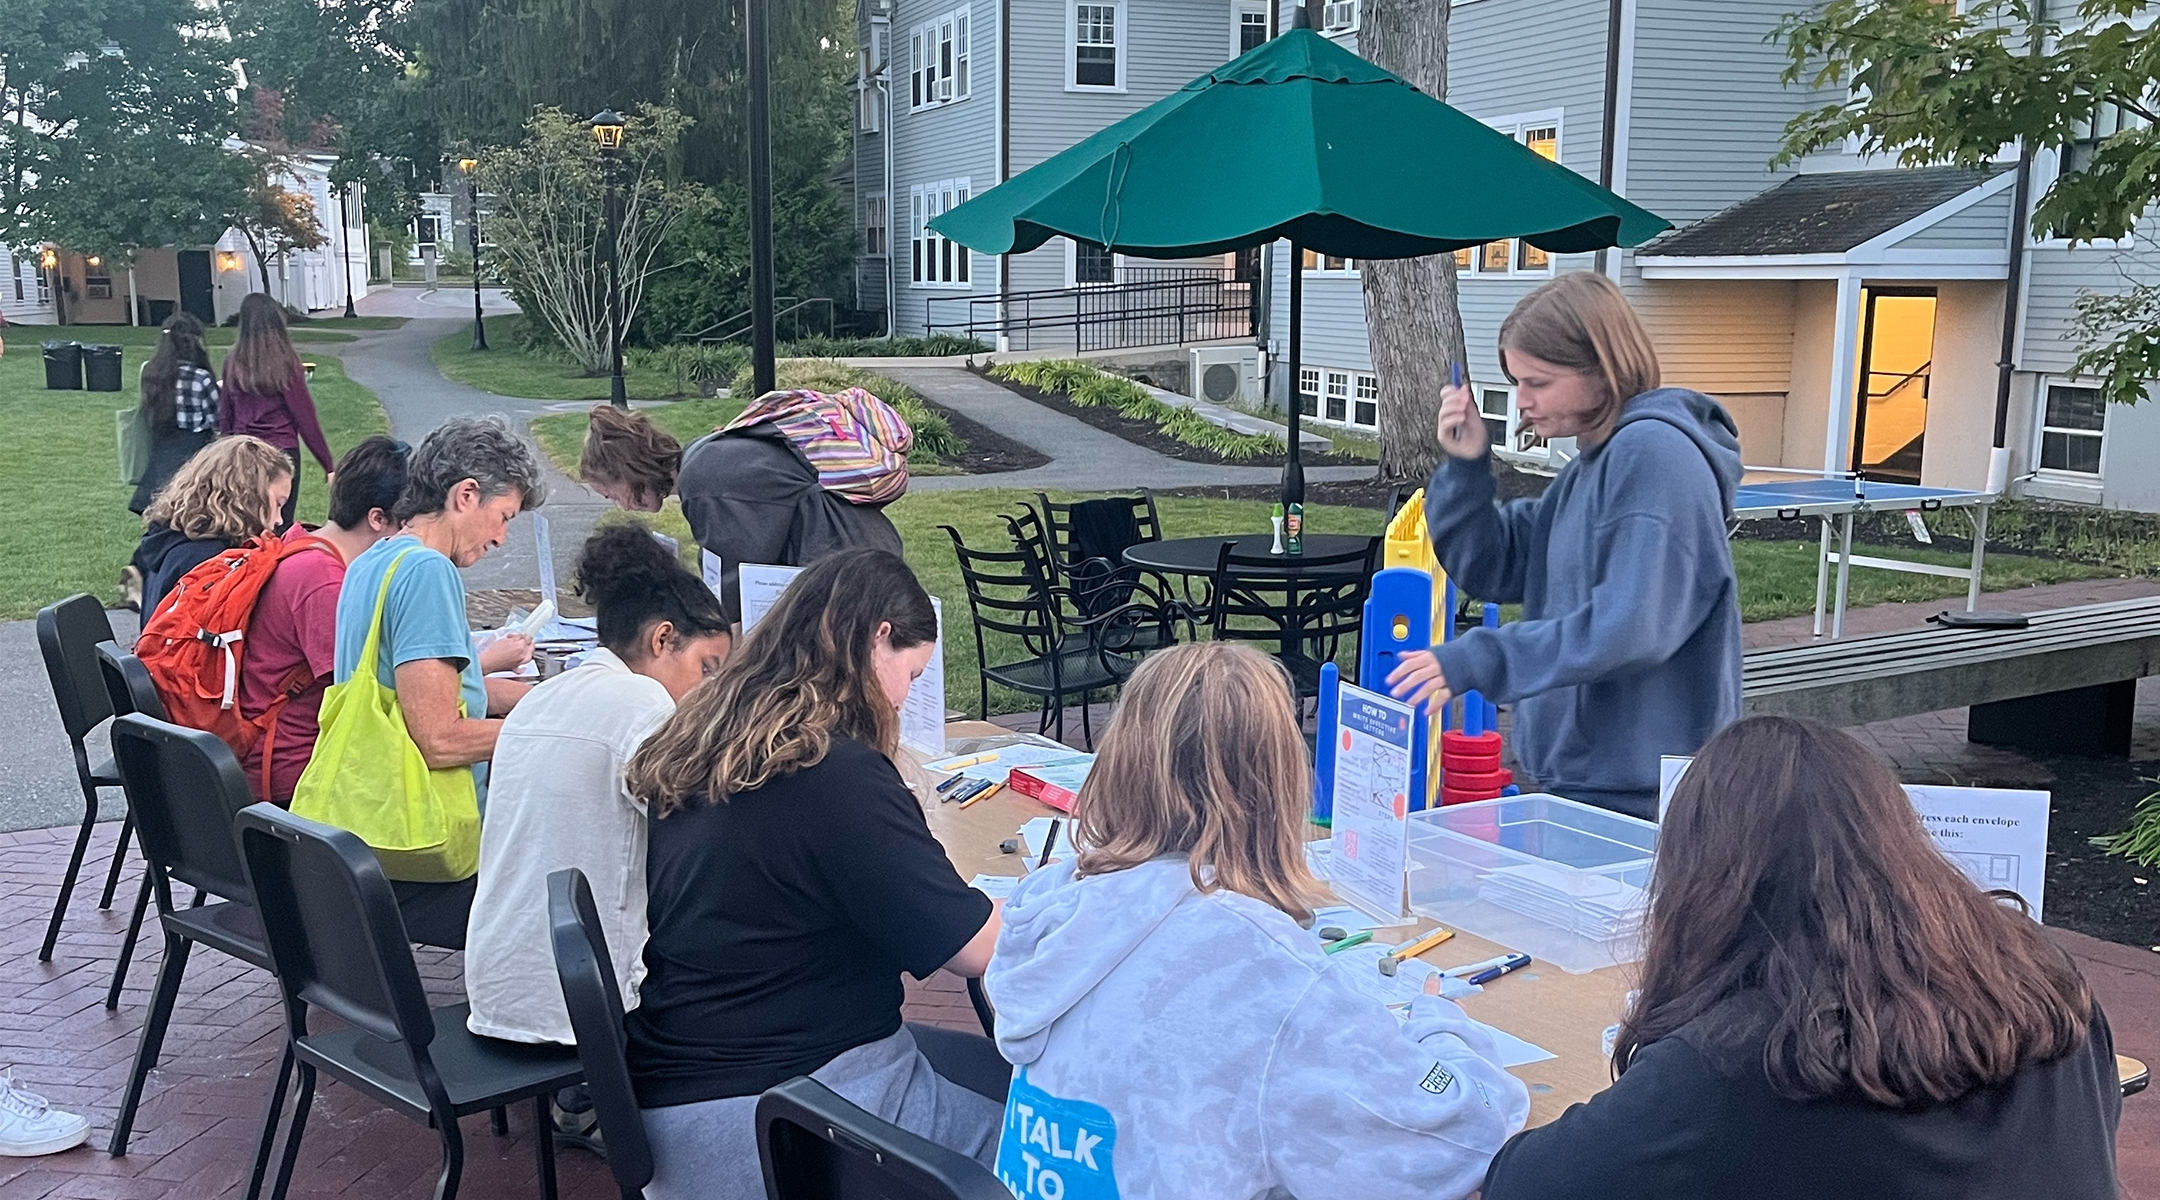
780 921
1700 1122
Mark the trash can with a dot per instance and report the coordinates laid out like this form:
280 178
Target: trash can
63 366
101 368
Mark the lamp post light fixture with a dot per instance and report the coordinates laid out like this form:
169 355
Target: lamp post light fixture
345 251
471 167
227 261
607 127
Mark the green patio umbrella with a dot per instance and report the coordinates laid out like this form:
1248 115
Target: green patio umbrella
1302 140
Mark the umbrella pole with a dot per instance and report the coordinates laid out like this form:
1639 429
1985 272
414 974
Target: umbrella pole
1297 338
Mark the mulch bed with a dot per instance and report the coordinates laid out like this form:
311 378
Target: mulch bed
2089 891
1147 434
988 451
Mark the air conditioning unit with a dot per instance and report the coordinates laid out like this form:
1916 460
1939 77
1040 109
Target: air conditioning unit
1226 375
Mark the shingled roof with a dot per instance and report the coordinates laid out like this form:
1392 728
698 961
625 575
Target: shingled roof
1819 214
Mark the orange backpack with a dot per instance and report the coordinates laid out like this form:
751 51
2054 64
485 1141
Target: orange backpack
192 645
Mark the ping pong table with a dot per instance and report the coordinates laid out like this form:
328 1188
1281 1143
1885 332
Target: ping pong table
1839 499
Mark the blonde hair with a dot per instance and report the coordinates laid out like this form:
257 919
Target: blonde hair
629 449
1204 758
1580 321
802 679
223 493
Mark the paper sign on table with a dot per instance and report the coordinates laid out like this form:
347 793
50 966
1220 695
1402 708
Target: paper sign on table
712 571
922 717
1371 858
997 887
544 553
1997 836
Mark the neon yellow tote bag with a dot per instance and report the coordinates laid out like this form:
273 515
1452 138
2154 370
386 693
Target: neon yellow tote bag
368 777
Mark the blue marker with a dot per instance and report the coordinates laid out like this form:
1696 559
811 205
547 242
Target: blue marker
1513 962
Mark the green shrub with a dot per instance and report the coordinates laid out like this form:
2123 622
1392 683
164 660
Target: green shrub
694 366
937 345
935 440
1089 388
2140 843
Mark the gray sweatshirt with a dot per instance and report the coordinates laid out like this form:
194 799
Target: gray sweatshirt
1629 642
1171 1045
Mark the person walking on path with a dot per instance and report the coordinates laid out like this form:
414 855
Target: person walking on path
179 405
1629 642
266 393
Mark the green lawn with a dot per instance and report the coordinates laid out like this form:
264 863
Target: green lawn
561 434
64 523
506 370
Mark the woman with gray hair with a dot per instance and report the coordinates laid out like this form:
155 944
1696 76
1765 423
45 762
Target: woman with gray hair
463 486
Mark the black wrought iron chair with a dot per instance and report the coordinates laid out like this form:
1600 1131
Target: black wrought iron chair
814 1145
1309 610
1091 589
338 943
68 634
1043 654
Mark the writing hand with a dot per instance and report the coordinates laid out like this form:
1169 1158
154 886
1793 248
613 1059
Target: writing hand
1417 680
1462 428
506 653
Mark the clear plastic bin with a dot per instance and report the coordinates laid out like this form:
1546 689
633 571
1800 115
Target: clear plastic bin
1559 881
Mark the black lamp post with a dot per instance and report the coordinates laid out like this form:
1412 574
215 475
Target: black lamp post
761 247
607 129
472 228
345 249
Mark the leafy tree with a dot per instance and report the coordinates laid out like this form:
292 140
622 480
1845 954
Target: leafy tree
276 220
1931 83
549 221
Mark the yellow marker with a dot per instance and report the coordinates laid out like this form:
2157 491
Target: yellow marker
976 761
1423 944
979 796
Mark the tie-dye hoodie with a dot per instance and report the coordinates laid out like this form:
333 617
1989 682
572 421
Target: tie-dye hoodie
1170 1044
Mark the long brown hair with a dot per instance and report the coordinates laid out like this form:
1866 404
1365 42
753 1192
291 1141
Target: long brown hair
262 362
801 679
628 448
1797 900
1581 322
180 344
1204 758
223 492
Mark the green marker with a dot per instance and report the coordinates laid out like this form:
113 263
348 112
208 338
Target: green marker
1359 938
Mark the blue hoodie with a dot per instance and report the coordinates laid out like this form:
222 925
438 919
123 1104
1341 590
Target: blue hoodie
1629 642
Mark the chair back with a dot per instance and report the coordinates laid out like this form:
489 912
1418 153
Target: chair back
814 1145
127 683
1310 611
1032 539
1007 597
1059 520
335 935
68 634
184 788
589 991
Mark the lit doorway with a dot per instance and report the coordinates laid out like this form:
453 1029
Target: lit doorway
1897 357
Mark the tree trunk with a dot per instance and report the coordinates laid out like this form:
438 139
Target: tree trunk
1411 319
262 263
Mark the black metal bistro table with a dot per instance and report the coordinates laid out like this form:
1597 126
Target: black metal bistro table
1302 603
1197 556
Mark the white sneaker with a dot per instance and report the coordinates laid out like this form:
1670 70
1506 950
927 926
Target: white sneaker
30 1127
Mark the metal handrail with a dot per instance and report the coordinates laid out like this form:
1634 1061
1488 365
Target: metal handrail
706 336
1183 304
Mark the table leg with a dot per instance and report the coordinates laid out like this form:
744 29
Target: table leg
1979 555
1822 576
1844 574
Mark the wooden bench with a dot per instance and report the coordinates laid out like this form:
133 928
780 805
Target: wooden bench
2067 682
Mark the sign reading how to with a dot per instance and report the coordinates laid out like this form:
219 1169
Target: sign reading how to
1371 842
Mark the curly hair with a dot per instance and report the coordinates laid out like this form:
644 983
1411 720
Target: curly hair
223 493
627 448
483 449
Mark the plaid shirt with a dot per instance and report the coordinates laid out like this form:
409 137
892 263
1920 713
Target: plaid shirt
195 400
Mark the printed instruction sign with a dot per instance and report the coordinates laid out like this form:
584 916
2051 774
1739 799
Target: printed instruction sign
1997 836
712 572
922 718
1370 836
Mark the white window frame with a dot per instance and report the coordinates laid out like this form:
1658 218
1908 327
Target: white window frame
2041 429
1335 388
1338 17
1516 127
1345 268
1364 381
940 60
1119 33
1339 385
934 263
1238 12
1072 267
43 279
877 238
1308 373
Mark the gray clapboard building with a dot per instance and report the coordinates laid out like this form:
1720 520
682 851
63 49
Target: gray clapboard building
1848 311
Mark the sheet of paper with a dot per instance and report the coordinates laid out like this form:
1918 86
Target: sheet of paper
1353 918
1997 836
1669 769
544 554
710 569
922 717
761 585
1372 800
1515 1052
1001 761
1319 857
997 887
1036 832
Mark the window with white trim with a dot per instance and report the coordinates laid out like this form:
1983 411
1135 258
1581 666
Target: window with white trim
15 268
1095 47
1250 33
44 285
1339 16
1328 264
866 105
936 261
1514 256
1092 264
1365 406
1504 425
1338 397
2073 430
1308 391
938 60
874 225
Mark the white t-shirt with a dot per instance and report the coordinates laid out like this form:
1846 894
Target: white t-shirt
556 800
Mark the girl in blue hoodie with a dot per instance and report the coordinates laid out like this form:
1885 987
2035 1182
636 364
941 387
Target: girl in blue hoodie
1629 642
1176 1030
